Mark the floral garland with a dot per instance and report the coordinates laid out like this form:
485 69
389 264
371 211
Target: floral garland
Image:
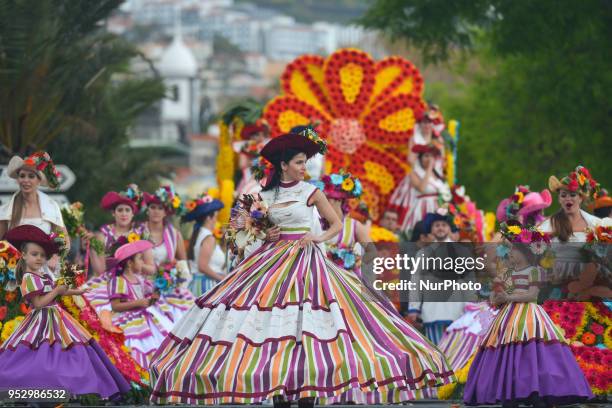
42 162
366 111
580 180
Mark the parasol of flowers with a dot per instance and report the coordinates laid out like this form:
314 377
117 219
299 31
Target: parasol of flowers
366 111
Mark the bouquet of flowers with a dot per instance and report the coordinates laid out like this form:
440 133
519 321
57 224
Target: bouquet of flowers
598 240
248 222
73 215
344 257
166 278
60 239
71 275
9 255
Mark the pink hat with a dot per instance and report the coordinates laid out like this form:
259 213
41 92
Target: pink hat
128 250
501 213
535 201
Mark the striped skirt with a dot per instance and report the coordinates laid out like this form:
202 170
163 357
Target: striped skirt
288 321
524 358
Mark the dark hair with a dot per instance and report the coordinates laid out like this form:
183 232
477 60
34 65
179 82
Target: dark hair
17 210
603 212
196 229
417 231
284 156
561 226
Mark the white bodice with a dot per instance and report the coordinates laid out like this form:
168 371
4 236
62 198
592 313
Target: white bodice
160 254
296 213
217 259
434 185
37 222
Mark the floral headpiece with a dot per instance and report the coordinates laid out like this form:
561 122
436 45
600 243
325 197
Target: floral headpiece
579 181
515 202
261 168
167 196
42 162
515 232
341 185
133 193
310 133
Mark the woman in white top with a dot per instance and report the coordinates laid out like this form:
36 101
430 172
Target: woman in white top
568 226
208 258
29 205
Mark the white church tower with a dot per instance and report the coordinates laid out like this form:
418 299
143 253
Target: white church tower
180 108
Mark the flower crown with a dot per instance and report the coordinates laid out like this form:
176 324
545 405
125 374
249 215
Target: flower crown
170 199
516 201
261 168
310 133
580 180
204 198
342 182
133 193
42 162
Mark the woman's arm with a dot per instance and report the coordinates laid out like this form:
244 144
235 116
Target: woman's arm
206 251
420 183
327 211
363 237
149 267
121 306
98 262
181 252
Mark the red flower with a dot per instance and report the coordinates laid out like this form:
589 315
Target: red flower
573 185
3 312
588 339
586 173
597 329
592 183
572 175
25 309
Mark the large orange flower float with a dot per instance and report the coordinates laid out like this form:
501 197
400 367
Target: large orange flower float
366 110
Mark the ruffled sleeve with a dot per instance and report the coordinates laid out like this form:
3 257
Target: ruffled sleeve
34 285
118 288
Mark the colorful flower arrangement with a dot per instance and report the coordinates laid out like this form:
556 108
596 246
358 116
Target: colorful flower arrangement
261 168
343 256
588 325
42 162
170 199
9 327
580 180
248 222
380 234
366 110
71 275
74 219
598 241
170 276
343 183
133 192
9 256
251 149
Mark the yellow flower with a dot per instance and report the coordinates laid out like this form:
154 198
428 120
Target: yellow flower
520 196
12 263
348 184
133 237
514 229
446 391
547 262
581 179
9 328
176 202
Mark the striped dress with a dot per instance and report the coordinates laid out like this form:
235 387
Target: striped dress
342 251
51 350
288 321
98 286
144 329
524 357
180 299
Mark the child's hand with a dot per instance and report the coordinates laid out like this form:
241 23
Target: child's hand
61 290
79 291
144 303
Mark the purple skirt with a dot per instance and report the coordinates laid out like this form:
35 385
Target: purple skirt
526 372
80 369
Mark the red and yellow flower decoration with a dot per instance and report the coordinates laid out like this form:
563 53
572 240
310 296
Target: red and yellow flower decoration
366 110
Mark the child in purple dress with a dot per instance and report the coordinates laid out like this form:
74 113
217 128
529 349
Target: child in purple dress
49 349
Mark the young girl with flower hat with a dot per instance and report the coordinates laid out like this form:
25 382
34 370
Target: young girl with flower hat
49 349
123 206
343 250
208 259
134 303
524 357
169 248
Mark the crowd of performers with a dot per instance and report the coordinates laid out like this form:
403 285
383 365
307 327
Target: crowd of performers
286 314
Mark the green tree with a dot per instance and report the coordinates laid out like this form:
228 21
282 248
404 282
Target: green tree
66 86
536 104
